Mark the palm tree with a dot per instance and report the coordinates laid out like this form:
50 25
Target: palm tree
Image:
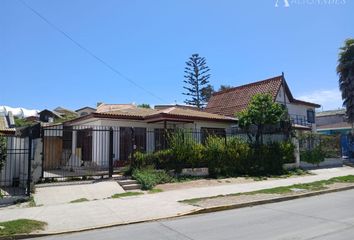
345 70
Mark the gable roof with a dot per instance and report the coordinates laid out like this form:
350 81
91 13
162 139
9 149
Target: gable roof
236 99
87 107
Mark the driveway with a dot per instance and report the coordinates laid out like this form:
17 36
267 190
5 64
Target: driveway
53 195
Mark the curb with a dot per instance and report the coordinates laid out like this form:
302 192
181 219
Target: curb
190 213
261 202
37 235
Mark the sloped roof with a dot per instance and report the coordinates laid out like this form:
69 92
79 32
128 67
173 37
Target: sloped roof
87 107
112 107
4 126
154 115
234 100
331 113
334 126
189 113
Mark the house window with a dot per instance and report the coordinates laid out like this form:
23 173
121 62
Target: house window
310 116
161 138
207 132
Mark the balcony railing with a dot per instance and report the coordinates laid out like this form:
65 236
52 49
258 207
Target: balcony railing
300 120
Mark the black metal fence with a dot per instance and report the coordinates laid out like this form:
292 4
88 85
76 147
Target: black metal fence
15 174
81 151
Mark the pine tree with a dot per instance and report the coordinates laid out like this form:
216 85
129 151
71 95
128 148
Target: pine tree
197 79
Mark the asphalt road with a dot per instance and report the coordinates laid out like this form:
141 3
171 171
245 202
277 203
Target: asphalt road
329 216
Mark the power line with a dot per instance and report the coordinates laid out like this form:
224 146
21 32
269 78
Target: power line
89 52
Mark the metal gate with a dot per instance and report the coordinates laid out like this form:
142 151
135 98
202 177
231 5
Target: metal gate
15 157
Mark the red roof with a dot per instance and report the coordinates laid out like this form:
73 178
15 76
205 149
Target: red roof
234 100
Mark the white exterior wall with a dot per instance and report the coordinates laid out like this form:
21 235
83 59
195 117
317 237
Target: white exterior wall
294 109
16 163
100 140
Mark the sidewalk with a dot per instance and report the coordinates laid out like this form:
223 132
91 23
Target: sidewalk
100 213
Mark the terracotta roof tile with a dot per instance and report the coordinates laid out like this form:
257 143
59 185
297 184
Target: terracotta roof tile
113 107
233 100
175 113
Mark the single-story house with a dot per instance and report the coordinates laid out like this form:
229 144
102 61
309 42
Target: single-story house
232 101
86 141
85 111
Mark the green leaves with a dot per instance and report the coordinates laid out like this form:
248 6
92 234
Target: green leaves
3 151
345 70
261 111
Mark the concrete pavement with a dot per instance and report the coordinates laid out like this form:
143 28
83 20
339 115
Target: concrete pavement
325 217
101 213
54 195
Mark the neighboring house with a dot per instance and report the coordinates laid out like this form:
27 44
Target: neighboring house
7 126
64 112
85 141
232 101
49 116
58 114
332 122
85 111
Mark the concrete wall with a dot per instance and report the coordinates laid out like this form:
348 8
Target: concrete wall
327 163
324 120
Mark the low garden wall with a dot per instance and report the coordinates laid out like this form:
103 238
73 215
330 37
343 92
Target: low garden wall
327 163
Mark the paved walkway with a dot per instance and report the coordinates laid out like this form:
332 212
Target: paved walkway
99 213
54 195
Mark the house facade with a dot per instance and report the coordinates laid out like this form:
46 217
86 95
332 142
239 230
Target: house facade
232 101
89 141
332 122
85 111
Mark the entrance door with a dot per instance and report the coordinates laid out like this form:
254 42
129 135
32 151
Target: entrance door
84 141
126 141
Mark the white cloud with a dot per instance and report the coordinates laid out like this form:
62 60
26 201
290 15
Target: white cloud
328 99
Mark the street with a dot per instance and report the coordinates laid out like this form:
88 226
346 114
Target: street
329 216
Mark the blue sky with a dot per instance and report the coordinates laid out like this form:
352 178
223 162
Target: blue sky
149 41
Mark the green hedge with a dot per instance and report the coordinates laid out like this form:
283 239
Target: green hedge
149 178
223 158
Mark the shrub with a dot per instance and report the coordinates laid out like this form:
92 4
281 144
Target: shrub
237 157
3 151
313 156
143 160
149 178
214 155
185 151
287 149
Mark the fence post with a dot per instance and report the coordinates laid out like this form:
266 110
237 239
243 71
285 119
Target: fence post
297 151
110 174
133 146
29 170
42 153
